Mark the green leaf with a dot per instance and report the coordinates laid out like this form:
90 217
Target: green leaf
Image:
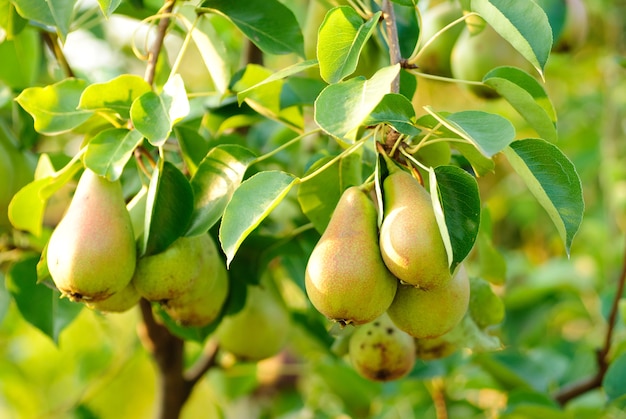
614 383
528 98
24 53
458 193
108 6
249 205
342 36
219 174
174 97
27 208
490 133
168 208
522 23
109 151
39 304
57 13
150 117
269 24
396 110
10 20
318 196
193 146
54 107
341 108
552 179
116 95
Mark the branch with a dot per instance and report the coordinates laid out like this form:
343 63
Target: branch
52 41
155 50
568 393
392 39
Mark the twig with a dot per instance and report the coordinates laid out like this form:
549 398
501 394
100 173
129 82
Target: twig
51 41
570 392
392 39
155 50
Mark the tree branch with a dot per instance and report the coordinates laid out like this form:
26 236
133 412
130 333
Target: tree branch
392 40
52 41
155 50
570 392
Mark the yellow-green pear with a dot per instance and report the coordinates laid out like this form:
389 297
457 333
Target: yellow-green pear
201 303
91 254
259 330
346 279
410 240
435 58
380 351
119 302
431 313
170 273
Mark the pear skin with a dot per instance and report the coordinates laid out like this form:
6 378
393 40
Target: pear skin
410 240
91 254
119 302
431 313
202 303
346 279
170 273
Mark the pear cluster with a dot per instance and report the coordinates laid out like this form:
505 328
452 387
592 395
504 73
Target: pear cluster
390 282
92 258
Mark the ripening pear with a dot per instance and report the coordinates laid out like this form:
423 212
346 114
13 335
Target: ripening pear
428 349
259 330
170 273
119 302
346 279
410 240
380 351
431 313
435 58
202 303
91 254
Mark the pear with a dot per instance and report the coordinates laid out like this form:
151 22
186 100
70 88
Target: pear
380 351
91 254
172 272
435 58
345 278
119 302
202 303
410 240
259 330
431 313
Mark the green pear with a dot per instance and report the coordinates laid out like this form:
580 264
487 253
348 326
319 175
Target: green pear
485 307
172 272
435 58
259 330
380 351
431 313
119 302
428 349
202 303
345 278
474 55
410 240
91 254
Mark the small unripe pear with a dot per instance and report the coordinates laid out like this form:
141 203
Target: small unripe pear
259 330
380 351
410 239
119 302
436 56
91 254
431 313
345 278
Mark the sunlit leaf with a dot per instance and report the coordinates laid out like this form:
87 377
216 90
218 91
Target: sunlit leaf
116 95
342 36
553 180
174 97
108 6
249 205
109 151
151 118
56 13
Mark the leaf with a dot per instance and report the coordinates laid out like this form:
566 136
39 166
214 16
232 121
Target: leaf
342 36
219 174
318 196
458 193
397 111
553 180
168 208
528 98
151 118
116 95
54 107
108 6
109 151
40 305
174 97
269 24
27 208
522 23
614 383
24 52
193 146
249 205
342 107
57 13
